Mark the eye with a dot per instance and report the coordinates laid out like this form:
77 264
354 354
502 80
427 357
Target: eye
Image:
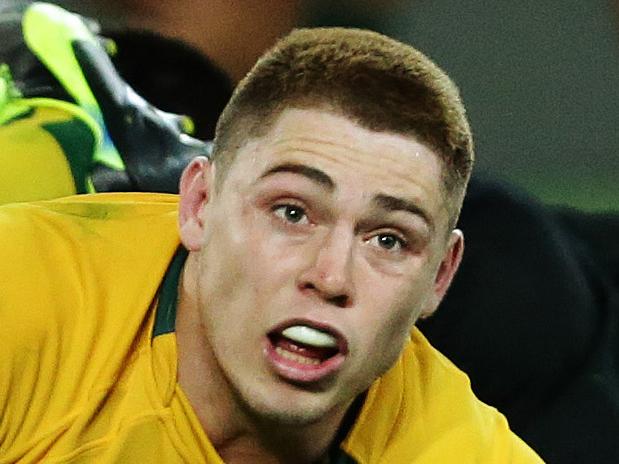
389 242
291 213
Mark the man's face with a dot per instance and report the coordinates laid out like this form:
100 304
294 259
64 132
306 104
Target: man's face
324 244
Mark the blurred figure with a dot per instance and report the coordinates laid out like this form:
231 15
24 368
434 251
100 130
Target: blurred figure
232 34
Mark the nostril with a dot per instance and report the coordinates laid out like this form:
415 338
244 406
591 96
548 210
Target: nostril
341 301
308 286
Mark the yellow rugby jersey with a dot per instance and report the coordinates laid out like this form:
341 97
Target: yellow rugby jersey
88 364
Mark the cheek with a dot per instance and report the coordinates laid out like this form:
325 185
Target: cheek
244 262
393 317
397 327
275 254
384 345
224 263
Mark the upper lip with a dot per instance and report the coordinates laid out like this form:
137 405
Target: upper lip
342 343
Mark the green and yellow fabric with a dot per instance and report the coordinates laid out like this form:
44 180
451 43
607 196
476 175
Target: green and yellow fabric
69 123
48 146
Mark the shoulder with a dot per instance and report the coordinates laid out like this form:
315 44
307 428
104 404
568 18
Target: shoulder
48 248
56 256
457 422
77 277
423 411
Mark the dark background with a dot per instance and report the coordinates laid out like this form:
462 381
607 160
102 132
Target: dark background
540 79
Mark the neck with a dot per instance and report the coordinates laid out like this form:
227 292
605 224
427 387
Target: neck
273 444
236 433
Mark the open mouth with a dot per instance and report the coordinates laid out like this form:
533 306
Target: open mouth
304 351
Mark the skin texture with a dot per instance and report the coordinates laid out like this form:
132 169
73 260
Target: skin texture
277 242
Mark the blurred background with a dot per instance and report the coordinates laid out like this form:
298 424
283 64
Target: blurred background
540 78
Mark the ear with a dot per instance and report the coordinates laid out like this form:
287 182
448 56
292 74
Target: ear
446 272
195 190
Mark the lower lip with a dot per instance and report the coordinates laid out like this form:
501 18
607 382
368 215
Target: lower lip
302 373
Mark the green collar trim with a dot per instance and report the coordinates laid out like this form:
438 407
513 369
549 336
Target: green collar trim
165 317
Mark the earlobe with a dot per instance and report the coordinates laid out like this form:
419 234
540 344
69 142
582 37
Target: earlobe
446 272
194 194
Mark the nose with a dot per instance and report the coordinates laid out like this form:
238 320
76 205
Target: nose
329 271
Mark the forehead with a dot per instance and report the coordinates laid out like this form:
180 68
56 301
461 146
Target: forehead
361 162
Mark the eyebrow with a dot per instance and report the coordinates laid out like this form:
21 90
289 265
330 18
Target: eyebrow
391 203
313 174
381 200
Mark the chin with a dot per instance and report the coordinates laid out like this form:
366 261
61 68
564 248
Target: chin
288 406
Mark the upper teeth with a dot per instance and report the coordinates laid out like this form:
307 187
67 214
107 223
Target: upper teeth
309 336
